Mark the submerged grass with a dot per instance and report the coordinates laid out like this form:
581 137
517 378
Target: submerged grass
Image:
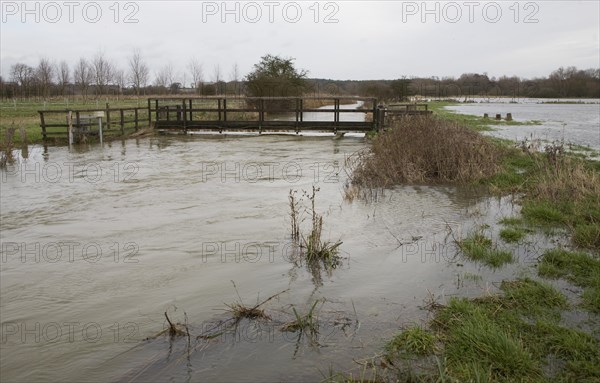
578 268
513 234
515 336
479 248
411 342
312 249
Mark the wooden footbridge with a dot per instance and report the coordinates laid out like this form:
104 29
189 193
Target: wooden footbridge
229 114
272 114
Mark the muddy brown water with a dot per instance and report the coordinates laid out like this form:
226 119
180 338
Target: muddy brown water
98 242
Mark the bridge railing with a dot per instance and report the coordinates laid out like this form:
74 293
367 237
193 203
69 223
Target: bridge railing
255 113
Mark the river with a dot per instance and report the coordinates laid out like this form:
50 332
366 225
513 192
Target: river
99 241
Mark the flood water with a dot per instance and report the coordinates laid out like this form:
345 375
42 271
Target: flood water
572 123
99 241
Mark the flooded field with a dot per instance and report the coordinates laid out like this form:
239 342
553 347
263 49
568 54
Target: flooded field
98 242
578 124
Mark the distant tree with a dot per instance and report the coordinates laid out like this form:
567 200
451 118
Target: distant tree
83 76
103 73
120 79
196 70
234 79
175 87
23 76
217 79
44 74
274 76
400 89
164 78
64 77
138 72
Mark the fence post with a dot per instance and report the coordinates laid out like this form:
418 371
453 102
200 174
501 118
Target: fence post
135 113
184 117
107 117
122 116
43 125
149 113
70 123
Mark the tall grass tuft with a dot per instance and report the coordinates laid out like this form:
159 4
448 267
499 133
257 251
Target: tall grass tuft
311 246
426 150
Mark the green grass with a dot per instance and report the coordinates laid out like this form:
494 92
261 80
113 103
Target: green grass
477 247
578 268
414 341
25 113
511 221
477 123
509 337
513 235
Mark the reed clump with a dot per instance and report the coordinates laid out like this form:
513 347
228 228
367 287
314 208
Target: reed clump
311 246
426 150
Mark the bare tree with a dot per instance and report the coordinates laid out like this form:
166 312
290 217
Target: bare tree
83 76
138 72
119 79
195 68
102 70
217 78
64 76
163 77
234 78
45 75
22 75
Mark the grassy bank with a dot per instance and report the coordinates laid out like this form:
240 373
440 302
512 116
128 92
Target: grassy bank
518 334
24 113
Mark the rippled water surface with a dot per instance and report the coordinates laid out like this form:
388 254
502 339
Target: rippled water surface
574 123
98 242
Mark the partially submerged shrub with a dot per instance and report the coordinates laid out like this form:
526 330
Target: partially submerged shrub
426 149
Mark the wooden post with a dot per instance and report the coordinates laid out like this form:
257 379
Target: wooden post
297 114
191 116
149 113
78 120
107 118
122 117
508 116
184 115
135 113
375 123
219 102
261 115
156 111
224 110
70 123
43 125
100 133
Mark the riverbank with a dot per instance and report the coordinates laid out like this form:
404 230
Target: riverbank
526 331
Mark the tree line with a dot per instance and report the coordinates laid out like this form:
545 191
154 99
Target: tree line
272 76
99 76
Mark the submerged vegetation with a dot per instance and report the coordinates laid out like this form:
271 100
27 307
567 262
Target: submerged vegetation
310 248
517 334
426 150
479 248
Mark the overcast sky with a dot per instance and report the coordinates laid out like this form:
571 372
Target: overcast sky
335 40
